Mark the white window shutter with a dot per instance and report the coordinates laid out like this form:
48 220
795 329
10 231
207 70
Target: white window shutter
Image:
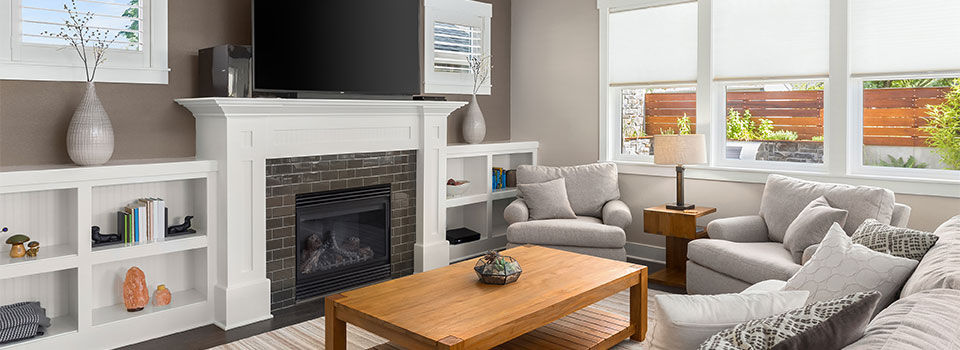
453 31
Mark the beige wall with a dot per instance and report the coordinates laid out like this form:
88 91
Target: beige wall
555 100
554 78
34 115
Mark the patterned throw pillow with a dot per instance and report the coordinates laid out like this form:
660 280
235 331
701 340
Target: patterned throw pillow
830 324
896 241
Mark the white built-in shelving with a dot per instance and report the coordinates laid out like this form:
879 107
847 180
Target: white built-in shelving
481 208
80 285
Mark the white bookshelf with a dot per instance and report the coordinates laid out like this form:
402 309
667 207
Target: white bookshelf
80 285
481 208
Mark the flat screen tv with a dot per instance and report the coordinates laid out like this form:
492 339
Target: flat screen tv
362 47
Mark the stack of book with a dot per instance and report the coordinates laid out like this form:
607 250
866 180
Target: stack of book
499 178
143 221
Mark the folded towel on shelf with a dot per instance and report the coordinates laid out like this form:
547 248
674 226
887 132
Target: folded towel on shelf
22 320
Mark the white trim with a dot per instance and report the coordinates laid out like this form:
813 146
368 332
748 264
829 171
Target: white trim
28 61
646 252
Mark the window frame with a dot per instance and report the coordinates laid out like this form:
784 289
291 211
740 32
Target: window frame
42 62
462 12
855 141
842 162
615 128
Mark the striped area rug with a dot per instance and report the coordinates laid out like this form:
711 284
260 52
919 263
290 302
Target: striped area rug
309 334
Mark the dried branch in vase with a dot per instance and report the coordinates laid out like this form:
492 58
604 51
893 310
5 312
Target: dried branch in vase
81 37
480 69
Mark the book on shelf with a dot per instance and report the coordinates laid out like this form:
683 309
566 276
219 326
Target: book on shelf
143 221
499 178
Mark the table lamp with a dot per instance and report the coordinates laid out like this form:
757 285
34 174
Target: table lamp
679 150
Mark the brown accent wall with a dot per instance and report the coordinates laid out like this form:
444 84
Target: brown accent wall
34 115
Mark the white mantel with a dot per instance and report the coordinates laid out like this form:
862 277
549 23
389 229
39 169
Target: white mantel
241 133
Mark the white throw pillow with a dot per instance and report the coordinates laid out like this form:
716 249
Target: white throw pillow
840 267
685 321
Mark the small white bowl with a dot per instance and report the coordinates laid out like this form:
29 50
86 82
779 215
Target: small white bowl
457 190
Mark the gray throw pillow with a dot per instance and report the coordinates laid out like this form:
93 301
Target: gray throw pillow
896 241
840 268
811 226
830 324
547 200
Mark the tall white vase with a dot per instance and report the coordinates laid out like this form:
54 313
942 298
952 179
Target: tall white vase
474 127
90 136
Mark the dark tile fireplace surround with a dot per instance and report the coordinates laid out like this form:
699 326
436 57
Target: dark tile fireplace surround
335 206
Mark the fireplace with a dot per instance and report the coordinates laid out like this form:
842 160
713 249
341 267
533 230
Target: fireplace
342 239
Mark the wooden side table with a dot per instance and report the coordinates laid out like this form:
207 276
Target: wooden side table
680 227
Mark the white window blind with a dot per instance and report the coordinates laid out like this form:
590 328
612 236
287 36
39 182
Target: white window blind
770 38
120 19
656 44
893 36
453 44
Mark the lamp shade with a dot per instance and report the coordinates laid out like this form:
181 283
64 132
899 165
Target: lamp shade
679 149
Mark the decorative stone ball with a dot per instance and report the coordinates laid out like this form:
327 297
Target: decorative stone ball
162 296
135 293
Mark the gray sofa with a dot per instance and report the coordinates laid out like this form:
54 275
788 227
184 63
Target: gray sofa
925 316
745 250
594 193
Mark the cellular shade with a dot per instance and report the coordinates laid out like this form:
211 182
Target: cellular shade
892 36
770 38
654 44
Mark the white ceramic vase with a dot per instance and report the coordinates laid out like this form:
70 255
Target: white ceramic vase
474 127
90 136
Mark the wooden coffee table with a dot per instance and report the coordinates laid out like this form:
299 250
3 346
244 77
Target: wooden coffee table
548 307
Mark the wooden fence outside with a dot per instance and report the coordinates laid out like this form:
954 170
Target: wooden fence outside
892 117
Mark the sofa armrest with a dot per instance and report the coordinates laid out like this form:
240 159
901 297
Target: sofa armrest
617 213
808 253
901 215
516 211
739 229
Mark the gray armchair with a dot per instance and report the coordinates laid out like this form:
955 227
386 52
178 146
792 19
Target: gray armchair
745 250
593 192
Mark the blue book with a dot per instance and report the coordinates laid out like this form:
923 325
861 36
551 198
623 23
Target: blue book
136 224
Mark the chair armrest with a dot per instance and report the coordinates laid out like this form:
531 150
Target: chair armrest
808 253
516 211
901 215
617 213
739 229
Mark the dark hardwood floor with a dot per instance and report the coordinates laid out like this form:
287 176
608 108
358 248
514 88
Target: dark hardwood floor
210 336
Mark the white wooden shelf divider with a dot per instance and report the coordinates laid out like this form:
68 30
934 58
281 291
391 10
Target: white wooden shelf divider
78 284
481 208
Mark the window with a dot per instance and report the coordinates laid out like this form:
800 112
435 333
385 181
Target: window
655 93
455 30
780 122
136 55
853 91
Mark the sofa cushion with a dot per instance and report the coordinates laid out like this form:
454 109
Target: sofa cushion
750 262
547 200
926 320
811 225
840 268
580 232
940 267
784 197
589 186
830 324
896 241
685 321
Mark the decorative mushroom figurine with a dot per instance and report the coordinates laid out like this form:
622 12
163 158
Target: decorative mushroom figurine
34 248
16 241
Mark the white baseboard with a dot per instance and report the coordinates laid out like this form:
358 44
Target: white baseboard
646 252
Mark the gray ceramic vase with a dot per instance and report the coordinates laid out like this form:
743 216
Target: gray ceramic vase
90 136
474 127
